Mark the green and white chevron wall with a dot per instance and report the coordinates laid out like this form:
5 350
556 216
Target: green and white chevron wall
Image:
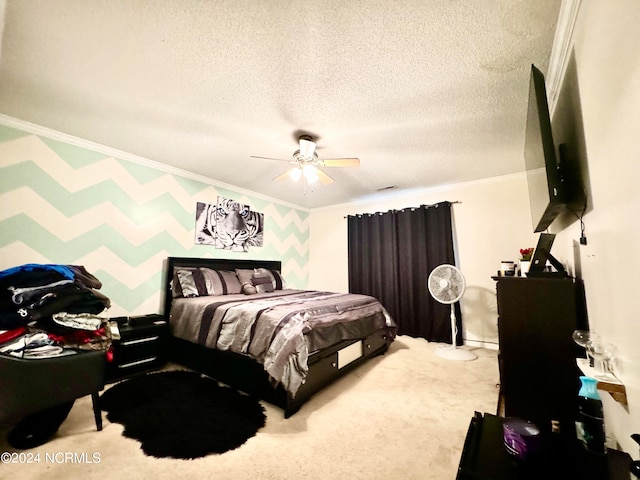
70 202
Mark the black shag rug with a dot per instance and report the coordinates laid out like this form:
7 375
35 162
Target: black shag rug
181 414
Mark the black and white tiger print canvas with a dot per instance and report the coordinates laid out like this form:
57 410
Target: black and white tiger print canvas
228 225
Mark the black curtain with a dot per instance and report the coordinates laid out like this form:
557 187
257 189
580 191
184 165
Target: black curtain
391 255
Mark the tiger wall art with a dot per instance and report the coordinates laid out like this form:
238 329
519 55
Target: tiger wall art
228 225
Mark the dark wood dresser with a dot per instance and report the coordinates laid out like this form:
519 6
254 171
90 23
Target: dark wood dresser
539 377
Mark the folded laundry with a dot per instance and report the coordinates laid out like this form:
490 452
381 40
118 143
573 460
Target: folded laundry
34 292
25 294
82 276
63 270
82 321
7 335
84 339
46 351
33 343
30 342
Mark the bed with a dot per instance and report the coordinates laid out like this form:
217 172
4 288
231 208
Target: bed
236 321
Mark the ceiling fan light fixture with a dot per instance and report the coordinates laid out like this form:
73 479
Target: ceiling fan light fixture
300 158
310 173
308 166
295 173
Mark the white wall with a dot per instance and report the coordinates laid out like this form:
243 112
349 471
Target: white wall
605 79
602 94
492 222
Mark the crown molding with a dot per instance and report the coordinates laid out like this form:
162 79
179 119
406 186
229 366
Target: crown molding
561 49
121 155
416 193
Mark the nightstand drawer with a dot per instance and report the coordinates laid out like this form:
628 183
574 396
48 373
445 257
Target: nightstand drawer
125 353
139 341
138 363
122 370
132 332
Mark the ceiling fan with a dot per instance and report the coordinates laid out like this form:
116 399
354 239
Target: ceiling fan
306 163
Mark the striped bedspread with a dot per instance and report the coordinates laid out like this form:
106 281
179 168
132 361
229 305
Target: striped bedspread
276 328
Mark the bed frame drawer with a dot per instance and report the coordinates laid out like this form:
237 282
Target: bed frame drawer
375 342
331 363
319 375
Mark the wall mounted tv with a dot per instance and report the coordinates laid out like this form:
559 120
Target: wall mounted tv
547 191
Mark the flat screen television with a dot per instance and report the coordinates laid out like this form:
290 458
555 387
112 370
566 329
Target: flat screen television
547 192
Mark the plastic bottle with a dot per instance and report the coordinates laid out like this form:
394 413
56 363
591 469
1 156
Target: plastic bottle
590 424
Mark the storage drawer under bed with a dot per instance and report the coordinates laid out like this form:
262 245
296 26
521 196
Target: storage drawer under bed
324 365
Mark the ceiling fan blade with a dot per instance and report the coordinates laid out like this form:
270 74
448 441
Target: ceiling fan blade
341 162
284 176
323 177
269 158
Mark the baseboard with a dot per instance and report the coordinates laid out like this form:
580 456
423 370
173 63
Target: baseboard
482 344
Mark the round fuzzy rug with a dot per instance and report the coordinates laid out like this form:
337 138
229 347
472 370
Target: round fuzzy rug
181 414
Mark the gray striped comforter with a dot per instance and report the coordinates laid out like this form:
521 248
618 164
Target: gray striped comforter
274 328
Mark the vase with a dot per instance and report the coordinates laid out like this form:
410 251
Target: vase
590 425
524 267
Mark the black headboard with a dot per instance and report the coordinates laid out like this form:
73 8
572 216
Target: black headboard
214 263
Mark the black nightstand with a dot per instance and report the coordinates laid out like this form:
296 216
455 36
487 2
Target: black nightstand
142 346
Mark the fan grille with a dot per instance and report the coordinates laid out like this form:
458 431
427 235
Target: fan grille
446 284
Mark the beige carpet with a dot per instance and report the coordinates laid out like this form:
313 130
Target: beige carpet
403 415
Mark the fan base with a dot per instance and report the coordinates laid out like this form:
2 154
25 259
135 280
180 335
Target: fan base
454 353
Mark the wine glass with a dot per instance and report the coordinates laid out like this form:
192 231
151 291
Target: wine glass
604 353
581 337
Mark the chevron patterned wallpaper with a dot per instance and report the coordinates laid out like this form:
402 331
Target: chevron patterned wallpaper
80 205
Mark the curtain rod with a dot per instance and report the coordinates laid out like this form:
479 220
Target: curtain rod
406 208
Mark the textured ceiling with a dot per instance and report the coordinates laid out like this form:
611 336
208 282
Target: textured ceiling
425 93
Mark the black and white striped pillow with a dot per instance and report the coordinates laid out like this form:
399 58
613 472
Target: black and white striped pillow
191 283
262 282
221 282
274 275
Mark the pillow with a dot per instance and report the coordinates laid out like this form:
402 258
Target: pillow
191 282
249 288
244 276
221 282
262 283
274 275
278 279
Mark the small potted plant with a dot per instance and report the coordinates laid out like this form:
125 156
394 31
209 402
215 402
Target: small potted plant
525 260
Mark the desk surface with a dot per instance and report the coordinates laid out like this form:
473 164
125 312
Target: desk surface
485 458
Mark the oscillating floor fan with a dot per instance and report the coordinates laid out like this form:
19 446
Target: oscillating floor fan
446 285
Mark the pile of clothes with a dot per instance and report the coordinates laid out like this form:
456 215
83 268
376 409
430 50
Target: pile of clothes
47 310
